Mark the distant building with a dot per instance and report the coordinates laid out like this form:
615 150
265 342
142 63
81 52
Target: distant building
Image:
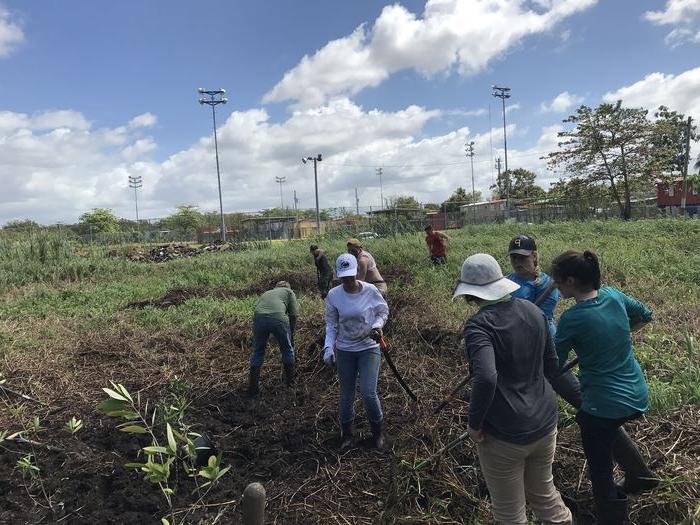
668 196
255 228
306 228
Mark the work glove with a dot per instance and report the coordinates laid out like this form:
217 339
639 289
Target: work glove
376 334
328 356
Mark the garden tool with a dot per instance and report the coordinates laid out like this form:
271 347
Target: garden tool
384 347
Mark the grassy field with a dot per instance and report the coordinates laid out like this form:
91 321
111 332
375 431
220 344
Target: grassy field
72 319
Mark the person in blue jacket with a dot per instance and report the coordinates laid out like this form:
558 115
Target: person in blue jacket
613 387
535 286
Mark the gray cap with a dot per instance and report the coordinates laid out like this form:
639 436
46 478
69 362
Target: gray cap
481 277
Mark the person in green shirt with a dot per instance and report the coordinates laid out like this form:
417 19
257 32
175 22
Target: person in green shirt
613 388
275 314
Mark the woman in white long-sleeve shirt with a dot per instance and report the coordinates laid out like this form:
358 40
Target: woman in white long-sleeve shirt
355 315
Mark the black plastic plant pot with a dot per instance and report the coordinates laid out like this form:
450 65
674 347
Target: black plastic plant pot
205 449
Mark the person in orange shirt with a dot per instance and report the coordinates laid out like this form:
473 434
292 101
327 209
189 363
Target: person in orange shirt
437 245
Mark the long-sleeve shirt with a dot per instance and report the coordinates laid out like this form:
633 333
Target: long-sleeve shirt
280 303
512 355
532 289
323 269
598 331
350 317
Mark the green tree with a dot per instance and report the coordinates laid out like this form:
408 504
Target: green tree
522 185
100 220
404 202
620 147
431 206
186 218
459 197
22 225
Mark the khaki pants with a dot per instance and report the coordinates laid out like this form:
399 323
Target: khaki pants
516 473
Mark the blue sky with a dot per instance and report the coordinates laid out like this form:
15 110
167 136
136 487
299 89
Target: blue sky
91 92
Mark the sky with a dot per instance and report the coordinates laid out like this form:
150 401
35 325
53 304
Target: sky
94 92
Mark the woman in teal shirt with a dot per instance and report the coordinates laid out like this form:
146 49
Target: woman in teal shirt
613 388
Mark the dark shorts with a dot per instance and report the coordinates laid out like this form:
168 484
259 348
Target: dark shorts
438 259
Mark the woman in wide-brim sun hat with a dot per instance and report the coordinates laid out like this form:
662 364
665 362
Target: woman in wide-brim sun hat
513 411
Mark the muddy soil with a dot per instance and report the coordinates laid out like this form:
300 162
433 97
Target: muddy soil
288 439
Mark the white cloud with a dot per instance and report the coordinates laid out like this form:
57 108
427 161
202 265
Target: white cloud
138 149
679 92
512 107
145 120
458 35
480 112
11 34
562 103
685 15
675 12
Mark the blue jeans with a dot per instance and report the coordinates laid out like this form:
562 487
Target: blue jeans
349 364
263 327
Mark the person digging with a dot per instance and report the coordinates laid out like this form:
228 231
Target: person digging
437 245
366 266
275 314
613 388
535 285
324 273
513 411
355 314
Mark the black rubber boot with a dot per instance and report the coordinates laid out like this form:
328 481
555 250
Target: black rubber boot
377 435
254 382
612 511
289 374
346 436
638 477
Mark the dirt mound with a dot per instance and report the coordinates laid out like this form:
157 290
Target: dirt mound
169 252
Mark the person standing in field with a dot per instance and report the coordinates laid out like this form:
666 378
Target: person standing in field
324 273
355 315
613 388
276 314
366 266
513 411
437 245
535 286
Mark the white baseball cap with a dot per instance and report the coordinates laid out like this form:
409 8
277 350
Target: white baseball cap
481 277
346 265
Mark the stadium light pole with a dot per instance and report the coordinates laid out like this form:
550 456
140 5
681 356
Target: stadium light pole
216 97
503 93
469 152
318 158
280 181
381 187
136 182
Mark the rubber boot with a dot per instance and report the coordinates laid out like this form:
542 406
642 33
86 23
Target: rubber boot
638 477
612 511
377 435
289 374
254 382
346 436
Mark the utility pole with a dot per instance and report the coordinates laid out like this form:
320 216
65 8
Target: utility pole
315 160
296 202
469 152
684 187
381 188
136 182
216 97
280 181
503 93
357 203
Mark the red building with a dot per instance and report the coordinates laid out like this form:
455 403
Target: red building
668 195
